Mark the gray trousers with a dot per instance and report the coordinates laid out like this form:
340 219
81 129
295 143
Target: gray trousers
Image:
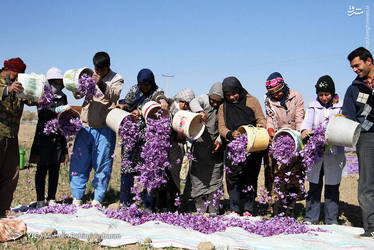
365 153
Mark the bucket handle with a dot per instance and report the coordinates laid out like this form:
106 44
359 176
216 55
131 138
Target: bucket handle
254 136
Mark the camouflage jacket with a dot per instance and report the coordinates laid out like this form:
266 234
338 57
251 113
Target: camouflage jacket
11 108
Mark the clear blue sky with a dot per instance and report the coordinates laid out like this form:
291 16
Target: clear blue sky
200 42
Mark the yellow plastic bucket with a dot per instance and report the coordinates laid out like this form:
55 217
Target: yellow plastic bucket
258 138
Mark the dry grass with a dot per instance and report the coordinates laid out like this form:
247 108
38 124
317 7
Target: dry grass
350 213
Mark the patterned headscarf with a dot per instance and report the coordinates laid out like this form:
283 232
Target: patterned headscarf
185 95
274 83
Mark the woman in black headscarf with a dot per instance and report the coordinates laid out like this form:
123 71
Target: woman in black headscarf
240 108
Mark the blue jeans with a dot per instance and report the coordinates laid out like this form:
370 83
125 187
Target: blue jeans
313 202
365 153
93 148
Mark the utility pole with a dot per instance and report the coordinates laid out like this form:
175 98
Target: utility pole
167 75
352 10
367 27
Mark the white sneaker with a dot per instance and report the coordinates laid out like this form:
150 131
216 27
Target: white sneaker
77 202
40 204
95 203
52 202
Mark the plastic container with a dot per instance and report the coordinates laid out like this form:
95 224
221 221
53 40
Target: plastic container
115 118
341 131
33 86
189 124
296 136
21 159
71 112
150 109
71 78
258 138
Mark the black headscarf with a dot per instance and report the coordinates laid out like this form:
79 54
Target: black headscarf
236 114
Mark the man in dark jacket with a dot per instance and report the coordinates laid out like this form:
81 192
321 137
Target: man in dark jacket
11 108
359 106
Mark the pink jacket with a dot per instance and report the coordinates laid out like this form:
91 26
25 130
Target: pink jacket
278 117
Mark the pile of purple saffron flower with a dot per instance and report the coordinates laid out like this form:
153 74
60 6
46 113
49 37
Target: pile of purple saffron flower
283 149
47 98
87 87
199 222
208 225
154 155
238 149
314 148
55 209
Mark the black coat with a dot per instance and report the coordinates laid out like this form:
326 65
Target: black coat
51 147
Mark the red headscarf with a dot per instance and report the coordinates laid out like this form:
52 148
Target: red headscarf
15 64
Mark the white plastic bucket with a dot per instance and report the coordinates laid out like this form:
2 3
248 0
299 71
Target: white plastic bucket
115 117
258 138
150 109
341 131
71 78
296 136
33 86
189 124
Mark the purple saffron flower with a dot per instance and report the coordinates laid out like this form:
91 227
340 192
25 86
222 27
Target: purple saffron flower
51 127
47 98
314 148
87 87
238 149
283 149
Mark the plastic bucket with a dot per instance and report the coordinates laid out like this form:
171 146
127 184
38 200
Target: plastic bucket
33 86
296 136
21 159
115 117
71 112
189 124
71 78
341 131
150 109
258 138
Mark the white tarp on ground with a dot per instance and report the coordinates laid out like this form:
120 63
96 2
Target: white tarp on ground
116 232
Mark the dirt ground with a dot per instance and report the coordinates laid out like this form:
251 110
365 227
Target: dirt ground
350 213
